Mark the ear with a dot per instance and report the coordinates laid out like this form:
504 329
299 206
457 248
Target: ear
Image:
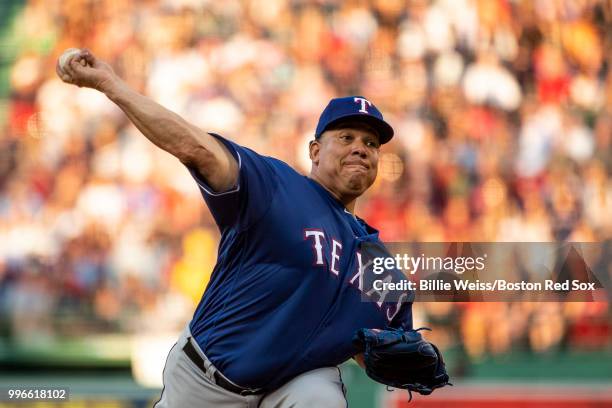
314 147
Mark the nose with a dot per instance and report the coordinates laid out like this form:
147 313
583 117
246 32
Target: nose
359 149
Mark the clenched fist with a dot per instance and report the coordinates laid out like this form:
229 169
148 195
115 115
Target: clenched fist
83 69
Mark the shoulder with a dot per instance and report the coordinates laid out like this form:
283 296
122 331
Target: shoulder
250 161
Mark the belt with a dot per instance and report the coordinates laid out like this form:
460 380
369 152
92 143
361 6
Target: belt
219 379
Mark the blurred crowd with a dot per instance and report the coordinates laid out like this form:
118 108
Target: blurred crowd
503 119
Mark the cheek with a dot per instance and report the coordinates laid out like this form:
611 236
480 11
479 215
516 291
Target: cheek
375 167
330 160
373 175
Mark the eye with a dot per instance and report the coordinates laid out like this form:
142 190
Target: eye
372 143
346 137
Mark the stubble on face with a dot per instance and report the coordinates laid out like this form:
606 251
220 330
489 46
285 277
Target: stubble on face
359 180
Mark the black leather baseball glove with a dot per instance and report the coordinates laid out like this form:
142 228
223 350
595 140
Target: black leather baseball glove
402 359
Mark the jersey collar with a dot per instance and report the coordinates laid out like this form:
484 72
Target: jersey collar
369 229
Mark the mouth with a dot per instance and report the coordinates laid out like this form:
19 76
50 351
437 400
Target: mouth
356 165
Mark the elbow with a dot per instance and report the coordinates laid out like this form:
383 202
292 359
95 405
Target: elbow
185 154
185 145
208 167
213 162
197 157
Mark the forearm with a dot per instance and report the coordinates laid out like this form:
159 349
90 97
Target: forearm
161 126
164 128
172 133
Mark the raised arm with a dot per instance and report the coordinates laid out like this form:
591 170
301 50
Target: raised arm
167 130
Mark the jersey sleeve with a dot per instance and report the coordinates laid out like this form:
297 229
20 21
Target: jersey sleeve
403 318
248 200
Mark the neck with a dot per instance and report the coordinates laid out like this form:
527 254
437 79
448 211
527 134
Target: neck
347 201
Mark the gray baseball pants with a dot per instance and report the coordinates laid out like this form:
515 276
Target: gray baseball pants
186 385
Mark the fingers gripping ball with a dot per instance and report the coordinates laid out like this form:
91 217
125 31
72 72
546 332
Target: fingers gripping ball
64 59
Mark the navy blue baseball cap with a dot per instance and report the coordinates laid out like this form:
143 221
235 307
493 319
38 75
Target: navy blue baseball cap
354 108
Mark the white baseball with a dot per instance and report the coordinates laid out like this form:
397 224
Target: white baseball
63 59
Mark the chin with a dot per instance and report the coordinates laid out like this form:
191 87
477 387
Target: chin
358 184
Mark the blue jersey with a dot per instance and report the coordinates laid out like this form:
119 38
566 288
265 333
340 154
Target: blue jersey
284 297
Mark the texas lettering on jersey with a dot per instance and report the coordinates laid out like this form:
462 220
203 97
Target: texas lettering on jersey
334 251
285 263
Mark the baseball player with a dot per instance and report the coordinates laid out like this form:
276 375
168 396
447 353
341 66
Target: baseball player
285 297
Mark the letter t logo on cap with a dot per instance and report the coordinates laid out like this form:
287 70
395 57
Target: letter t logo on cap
363 102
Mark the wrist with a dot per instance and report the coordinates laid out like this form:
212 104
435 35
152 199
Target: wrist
111 88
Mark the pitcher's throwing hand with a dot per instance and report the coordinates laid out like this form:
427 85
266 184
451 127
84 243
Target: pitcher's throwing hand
83 69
